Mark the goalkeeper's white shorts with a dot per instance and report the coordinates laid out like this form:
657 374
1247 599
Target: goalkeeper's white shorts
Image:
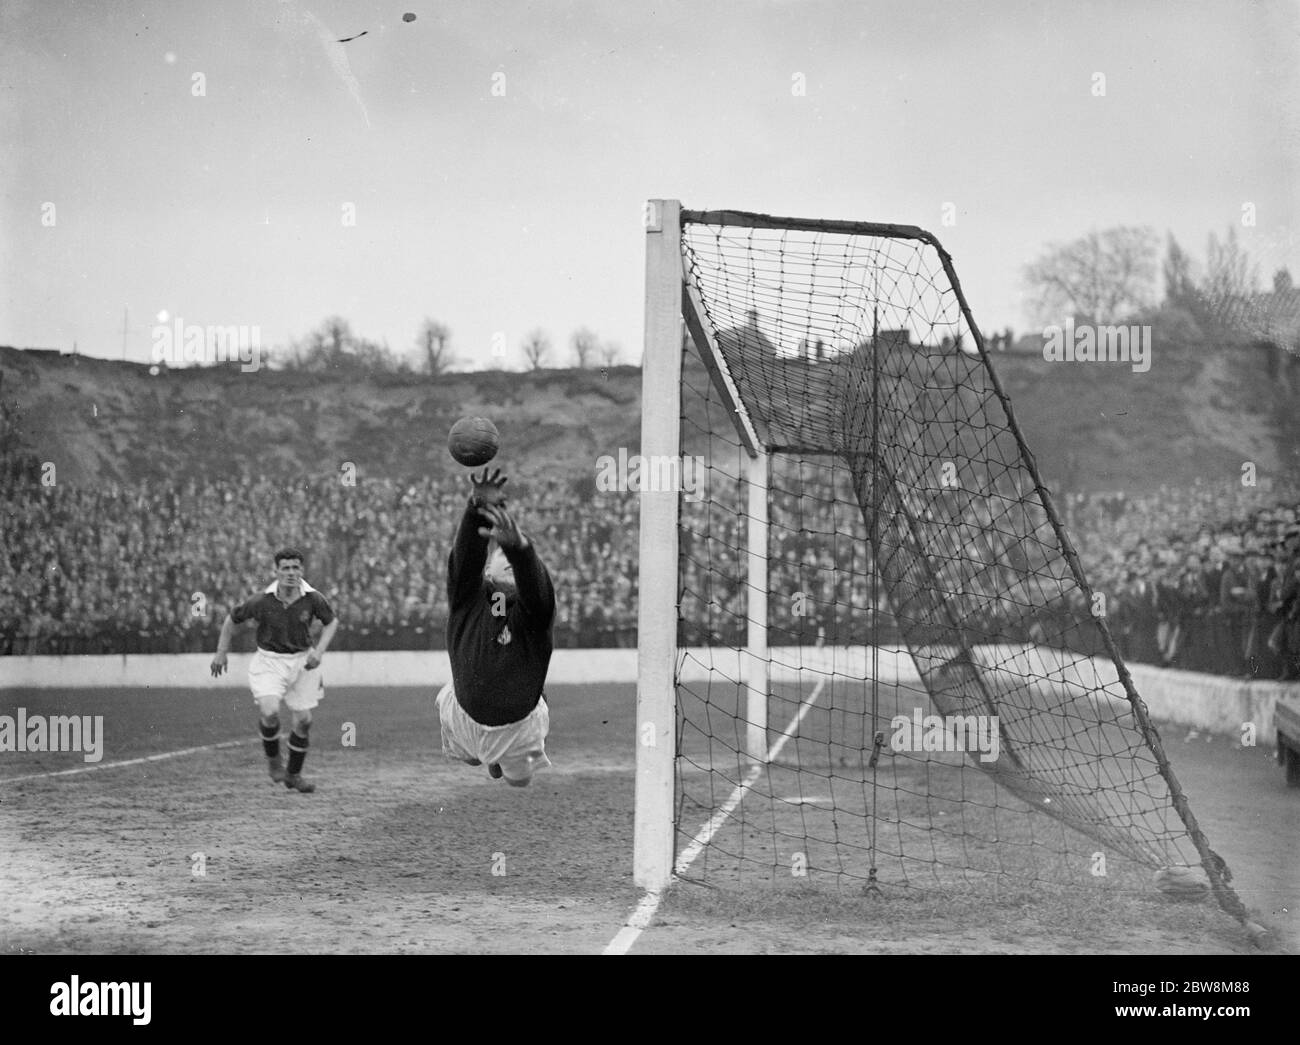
519 748
283 676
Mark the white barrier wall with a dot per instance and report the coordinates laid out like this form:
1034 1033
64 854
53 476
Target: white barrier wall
1212 703
1207 702
425 668
368 668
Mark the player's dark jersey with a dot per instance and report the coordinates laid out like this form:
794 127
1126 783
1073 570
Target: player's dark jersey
498 661
281 628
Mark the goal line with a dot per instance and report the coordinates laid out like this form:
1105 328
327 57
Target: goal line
645 910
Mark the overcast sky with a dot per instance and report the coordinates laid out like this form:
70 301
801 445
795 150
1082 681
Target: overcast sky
505 213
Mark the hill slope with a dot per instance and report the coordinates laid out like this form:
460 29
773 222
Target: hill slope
103 420
1091 426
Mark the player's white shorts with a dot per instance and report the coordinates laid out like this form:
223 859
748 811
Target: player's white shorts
283 676
519 748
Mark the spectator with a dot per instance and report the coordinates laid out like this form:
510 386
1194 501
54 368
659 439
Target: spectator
1286 605
1262 660
1235 600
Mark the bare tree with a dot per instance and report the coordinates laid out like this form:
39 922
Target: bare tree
1180 283
585 345
336 338
434 345
378 357
1104 276
536 348
1231 282
609 353
333 346
327 347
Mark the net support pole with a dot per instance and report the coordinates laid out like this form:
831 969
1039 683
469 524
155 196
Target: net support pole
656 693
757 663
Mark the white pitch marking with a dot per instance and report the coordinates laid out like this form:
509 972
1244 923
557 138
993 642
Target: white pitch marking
640 920
645 910
127 762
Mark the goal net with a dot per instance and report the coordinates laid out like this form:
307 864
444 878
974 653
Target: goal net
882 663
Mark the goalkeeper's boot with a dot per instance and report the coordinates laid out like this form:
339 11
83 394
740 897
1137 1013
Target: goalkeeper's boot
295 782
276 767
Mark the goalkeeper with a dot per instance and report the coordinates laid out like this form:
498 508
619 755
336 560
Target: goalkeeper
502 606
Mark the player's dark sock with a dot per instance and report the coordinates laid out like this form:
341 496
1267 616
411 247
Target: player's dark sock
297 752
270 740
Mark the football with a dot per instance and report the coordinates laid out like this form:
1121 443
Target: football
474 441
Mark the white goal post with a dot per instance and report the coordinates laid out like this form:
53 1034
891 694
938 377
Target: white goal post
668 302
656 696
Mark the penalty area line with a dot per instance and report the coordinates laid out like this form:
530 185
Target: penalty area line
645 910
126 762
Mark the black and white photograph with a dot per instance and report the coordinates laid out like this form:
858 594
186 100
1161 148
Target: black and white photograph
716 478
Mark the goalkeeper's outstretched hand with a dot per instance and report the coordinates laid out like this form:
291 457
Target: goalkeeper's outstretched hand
503 528
488 490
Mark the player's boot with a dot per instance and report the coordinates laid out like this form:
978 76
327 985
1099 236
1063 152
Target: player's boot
494 771
276 767
295 782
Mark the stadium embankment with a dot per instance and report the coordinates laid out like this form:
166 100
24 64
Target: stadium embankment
1206 702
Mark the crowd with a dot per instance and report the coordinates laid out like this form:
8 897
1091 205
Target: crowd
1203 578
155 567
987 566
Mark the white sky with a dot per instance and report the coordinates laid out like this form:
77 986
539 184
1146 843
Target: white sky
500 214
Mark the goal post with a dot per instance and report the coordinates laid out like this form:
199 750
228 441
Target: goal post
756 666
868 654
656 700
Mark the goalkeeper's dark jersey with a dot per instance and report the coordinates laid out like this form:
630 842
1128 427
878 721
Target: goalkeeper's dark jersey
498 662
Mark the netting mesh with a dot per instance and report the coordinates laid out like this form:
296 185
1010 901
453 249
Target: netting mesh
941 701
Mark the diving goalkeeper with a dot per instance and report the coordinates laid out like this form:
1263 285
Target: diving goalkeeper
502 606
